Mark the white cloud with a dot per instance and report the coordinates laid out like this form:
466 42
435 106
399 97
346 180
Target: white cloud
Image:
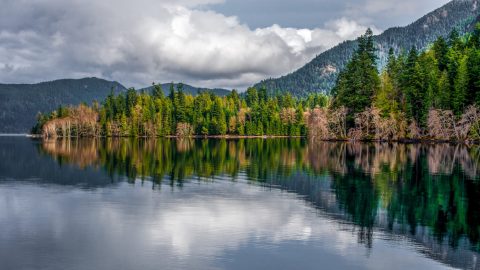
196 227
144 41
348 28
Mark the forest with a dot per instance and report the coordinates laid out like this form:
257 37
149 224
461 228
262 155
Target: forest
428 95
153 114
319 74
434 94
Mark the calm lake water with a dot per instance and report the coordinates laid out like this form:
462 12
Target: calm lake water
237 204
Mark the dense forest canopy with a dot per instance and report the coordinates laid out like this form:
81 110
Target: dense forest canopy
320 74
19 103
155 114
434 94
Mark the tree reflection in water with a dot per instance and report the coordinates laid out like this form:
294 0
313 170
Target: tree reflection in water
421 190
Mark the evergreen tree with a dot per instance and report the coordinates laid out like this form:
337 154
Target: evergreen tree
443 97
131 100
157 91
252 97
219 124
440 47
358 83
454 40
473 68
461 87
262 94
385 99
172 92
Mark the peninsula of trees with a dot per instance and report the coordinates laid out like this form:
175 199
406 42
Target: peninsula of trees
153 114
429 95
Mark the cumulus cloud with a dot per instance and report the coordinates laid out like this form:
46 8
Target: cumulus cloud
197 227
146 40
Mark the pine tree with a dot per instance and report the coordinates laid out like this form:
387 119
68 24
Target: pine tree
219 124
262 94
473 68
443 96
251 97
180 105
440 47
461 87
411 81
157 91
357 84
131 100
474 41
172 92
385 99
454 40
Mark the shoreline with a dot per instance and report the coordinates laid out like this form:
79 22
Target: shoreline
234 137
15 135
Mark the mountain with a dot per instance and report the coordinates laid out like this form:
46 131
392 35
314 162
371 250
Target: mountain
20 103
320 74
190 90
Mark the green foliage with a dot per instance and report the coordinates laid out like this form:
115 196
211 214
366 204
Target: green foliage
460 87
20 103
385 98
144 114
320 75
358 83
447 76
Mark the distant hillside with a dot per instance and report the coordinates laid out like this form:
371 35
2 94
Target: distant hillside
20 103
320 74
191 90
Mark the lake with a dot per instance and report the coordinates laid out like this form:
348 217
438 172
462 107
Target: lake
237 204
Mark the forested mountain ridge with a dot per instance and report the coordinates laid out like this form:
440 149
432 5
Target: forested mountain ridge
320 74
190 90
20 103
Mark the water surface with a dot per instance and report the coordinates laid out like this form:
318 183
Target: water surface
237 204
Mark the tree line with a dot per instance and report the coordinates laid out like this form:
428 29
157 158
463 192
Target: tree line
434 94
153 114
430 95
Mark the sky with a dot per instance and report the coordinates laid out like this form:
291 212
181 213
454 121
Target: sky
205 43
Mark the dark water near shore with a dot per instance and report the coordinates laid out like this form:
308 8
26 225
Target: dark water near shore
237 204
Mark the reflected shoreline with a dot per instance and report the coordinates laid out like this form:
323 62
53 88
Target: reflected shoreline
425 192
317 155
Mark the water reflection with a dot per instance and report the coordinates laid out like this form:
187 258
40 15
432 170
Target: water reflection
207 158
427 194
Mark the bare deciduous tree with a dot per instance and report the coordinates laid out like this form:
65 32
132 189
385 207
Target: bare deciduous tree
469 123
441 124
184 130
414 132
317 122
80 121
338 123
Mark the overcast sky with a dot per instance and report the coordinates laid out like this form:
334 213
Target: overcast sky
208 43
